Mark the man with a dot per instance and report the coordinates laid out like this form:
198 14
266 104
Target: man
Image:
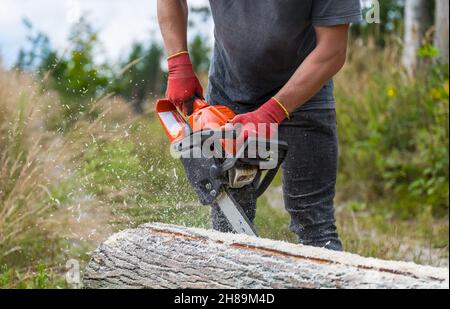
273 63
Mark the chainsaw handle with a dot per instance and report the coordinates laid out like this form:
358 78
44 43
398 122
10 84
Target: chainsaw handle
270 175
217 171
166 105
199 104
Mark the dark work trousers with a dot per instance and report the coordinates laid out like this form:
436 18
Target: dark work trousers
309 179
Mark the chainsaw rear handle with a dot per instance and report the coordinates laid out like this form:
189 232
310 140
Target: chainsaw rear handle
198 104
165 105
208 175
264 183
229 163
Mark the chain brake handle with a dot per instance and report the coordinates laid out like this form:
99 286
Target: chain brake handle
262 184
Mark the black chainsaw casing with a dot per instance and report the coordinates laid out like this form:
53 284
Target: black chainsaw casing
208 175
198 173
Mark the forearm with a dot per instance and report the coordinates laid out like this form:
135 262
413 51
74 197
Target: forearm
173 20
320 66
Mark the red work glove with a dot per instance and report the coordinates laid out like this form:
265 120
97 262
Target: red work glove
258 123
182 85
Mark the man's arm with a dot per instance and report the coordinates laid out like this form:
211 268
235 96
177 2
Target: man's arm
321 65
182 83
173 18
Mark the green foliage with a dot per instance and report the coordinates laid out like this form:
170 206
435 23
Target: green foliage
199 52
77 78
74 75
394 140
391 22
203 12
372 232
35 51
179 214
199 48
143 78
163 175
428 51
40 278
110 166
271 222
5 277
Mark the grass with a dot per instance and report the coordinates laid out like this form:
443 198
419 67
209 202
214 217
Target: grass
393 132
63 191
423 240
25 187
29 155
40 278
367 232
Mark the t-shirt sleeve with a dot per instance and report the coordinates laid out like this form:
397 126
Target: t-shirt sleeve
335 12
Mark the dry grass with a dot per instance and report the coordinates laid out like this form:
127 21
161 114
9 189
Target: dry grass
36 162
46 215
25 175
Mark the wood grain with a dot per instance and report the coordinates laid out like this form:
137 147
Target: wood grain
167 256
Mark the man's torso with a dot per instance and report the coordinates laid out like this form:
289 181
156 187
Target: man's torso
258 47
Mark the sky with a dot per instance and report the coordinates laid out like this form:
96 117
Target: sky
120 22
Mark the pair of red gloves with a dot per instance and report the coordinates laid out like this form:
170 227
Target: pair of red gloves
183 87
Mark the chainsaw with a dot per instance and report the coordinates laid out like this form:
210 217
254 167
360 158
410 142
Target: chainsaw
215 162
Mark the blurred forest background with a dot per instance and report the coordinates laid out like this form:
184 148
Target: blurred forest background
82 155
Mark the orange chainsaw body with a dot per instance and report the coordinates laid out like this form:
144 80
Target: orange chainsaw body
204 117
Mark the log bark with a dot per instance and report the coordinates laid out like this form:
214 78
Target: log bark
166 256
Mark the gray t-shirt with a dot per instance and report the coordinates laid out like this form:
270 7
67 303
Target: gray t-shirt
259 44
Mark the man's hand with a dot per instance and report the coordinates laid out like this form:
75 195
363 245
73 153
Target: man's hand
182 85
263 121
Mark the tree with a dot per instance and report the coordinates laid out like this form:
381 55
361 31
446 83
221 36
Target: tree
36 50
152 64
144 77
391 13
417 22
199 49
75 75
441 29
200 54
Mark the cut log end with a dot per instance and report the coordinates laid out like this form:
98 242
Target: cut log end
167 256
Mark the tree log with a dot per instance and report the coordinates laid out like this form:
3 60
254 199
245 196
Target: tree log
167 256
